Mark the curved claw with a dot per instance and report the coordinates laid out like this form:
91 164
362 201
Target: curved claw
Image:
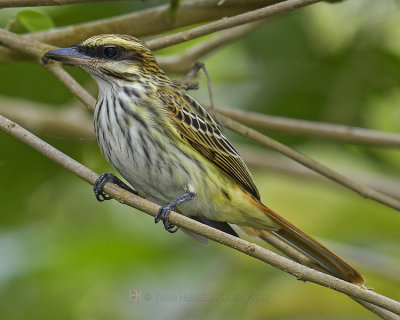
98 187
163 214
171 228
102 180
101 196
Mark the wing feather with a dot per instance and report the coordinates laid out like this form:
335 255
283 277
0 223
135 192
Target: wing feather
196 126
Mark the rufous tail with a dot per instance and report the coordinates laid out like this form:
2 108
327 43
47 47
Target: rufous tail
300 247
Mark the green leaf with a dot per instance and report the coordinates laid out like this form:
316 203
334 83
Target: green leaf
34 20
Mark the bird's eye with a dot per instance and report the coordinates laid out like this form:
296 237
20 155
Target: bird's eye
111 52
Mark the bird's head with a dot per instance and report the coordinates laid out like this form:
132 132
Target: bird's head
110 57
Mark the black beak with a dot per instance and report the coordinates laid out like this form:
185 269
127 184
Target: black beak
70 55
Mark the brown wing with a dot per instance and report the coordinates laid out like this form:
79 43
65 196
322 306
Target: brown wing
197 127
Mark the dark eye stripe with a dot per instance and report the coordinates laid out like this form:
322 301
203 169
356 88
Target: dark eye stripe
100 53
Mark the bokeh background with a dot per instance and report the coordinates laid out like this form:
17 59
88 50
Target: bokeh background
65 255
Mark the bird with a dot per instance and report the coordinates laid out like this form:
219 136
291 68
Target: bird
172 152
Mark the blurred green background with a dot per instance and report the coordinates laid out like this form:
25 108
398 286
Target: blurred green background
65 255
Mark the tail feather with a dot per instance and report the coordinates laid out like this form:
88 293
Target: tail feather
300 247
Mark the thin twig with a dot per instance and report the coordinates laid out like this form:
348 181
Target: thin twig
299 271
182 63
380 312
225 23
210 96
35 3
194 73
314 129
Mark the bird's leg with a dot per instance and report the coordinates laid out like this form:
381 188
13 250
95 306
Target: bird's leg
102 180
163 213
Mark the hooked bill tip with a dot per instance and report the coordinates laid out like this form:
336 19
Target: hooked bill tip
70 55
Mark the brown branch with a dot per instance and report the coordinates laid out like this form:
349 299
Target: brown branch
141 23
314 129
34 3
380 312
362 190
274 163
226 23
182 63
23 45
299 271
371 259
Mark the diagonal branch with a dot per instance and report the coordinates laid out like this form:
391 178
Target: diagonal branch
225 23
35 3
85 97
362 190
299 271
267 161
182 63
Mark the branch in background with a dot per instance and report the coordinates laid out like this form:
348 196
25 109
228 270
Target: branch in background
182 63
267 161
299 271
23 45
141 23
225 23
383 313
314 129
374 259
74 123
35 3
362 190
